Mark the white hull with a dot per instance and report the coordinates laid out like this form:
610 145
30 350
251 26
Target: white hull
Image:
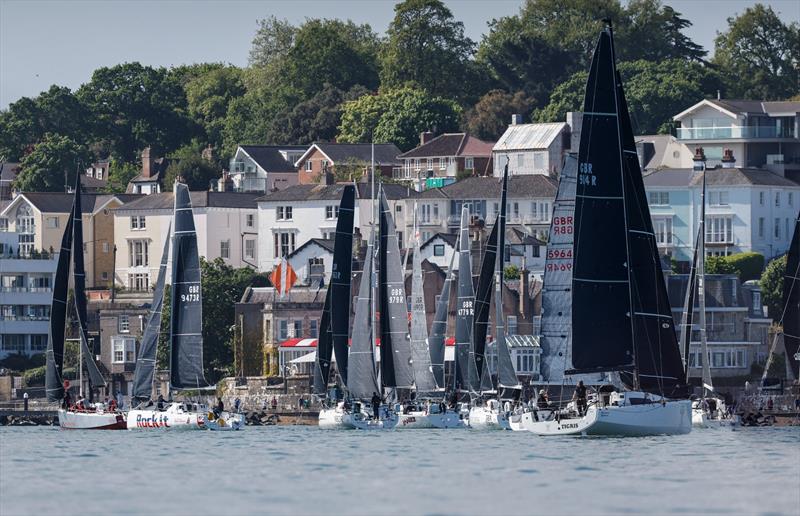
421 419
703 417
226 422
332 419
622 419
362 421
177 416
485 418
91 420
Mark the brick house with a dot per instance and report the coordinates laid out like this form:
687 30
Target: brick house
449 155
326 156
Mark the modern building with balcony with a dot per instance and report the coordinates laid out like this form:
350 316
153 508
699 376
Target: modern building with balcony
760 134
260 168
26 293
447 156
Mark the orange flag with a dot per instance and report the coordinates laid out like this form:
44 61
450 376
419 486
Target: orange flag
283 277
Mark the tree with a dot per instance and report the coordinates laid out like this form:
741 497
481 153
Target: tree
52 165
316 119
209 96
772 287
655 92
135 106
748 266
490 117
718 265
653 31
427 49
397 116
120 174
272 41
759 55
195 171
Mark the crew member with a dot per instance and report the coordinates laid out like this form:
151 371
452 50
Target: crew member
580 398
160 402
376 405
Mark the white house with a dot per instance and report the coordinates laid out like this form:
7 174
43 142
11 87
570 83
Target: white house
225 223
311 260
258 168
535 148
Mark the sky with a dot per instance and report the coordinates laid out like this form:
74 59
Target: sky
44 42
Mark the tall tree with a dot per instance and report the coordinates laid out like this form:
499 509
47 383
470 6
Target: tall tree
771 284
490 117
120 174
654 32
196 172
759 55
397 116
272 41
426 48
316 119
209 96
51 165
135 106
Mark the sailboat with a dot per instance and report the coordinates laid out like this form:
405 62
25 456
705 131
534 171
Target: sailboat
429 409
186 338
621 317
80 415
493 414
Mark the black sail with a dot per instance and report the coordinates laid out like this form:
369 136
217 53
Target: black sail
480 325
58 318
341 279
322 364
465 311
186 303
506 375
621 316
79 282
396 366
146 362
436 340
791 300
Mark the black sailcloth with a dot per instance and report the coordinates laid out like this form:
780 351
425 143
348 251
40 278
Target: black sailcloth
506 375
322 364
341 279
186 313
436 340
58 317
791 300
480 380
465 309
146 361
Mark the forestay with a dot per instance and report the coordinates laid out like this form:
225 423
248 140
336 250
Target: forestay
362 381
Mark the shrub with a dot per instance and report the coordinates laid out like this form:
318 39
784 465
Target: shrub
511 273
747 265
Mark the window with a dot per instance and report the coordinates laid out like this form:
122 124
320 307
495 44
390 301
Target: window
331 212
398 208
416 163
225 249
777 199
718 198
469 163
442 164
250 220
756 301
663 230
495 209
425 213
123 349
436 212
438 250
283 329
284 213
719 230
297 328
788 232
138 222
250 249
430 163
790 198
104 275
309 166
105 247
777 228
38 342
26 227
659 198
139 282
14 342
760 227
511 322
284 244
137 253
539 161
761 198
520 160
536 252
515 211
313 328
123 323
400 240
52 222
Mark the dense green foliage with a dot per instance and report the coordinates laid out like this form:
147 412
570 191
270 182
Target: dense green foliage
718 265
197 173
51 165
772 287
747 265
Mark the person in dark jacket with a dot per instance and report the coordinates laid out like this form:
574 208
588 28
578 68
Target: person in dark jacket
580 398
376 405
160 402
219 408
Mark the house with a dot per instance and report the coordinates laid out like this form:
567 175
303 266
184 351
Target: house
312 260
26 292
119 329
736 328
658 151
8 172
747 209
321 157
39 218
535 148
761 134
259 168
151 179
225 223
449 155
398 197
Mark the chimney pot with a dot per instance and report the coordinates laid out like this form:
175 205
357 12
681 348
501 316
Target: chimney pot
425 137
699 159
516 119
728 161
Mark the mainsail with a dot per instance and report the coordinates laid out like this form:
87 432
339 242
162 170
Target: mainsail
791 300
396 368
186 303
687 317
322 364
480 328
464 309
146 362
621 318
58 317
506 375
341 279
556 332
436 341
362 381
79 283
421 356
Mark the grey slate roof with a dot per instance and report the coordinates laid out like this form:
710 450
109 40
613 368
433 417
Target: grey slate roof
757 106
325 243
60 202
521 186
320 192
669 178
392 191
385 153
450 144
684 177
450 238
722 290
269 157
165 201
8 171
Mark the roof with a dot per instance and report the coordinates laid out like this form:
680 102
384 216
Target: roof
270 158
669 178
385 153
307 192
8 171
515 236
450 238
530 136
392 191
325 243
722 290
296 295
92 182
451 144
684 177
164 200
660 143
61 202
747 107
520 186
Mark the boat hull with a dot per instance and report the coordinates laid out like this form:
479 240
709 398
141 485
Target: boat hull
656 418
91 420
226 422
422 420
332 419
166 420
485 418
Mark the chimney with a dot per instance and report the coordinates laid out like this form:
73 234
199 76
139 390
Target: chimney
516 119
147 162
524 301
425 137
719 95
728 161
699 159
575 123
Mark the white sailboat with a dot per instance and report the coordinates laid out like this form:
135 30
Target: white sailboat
186 338
621 316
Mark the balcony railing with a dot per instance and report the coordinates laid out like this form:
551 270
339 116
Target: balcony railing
726 133
26 289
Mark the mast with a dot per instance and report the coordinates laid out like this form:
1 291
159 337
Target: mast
480 379
506 375
701 285
341 279
373 281
464 309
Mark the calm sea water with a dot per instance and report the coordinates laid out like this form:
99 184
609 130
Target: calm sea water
303 470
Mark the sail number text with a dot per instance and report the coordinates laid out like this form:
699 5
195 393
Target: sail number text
396 295
193 295
585 175
562 225
466 308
